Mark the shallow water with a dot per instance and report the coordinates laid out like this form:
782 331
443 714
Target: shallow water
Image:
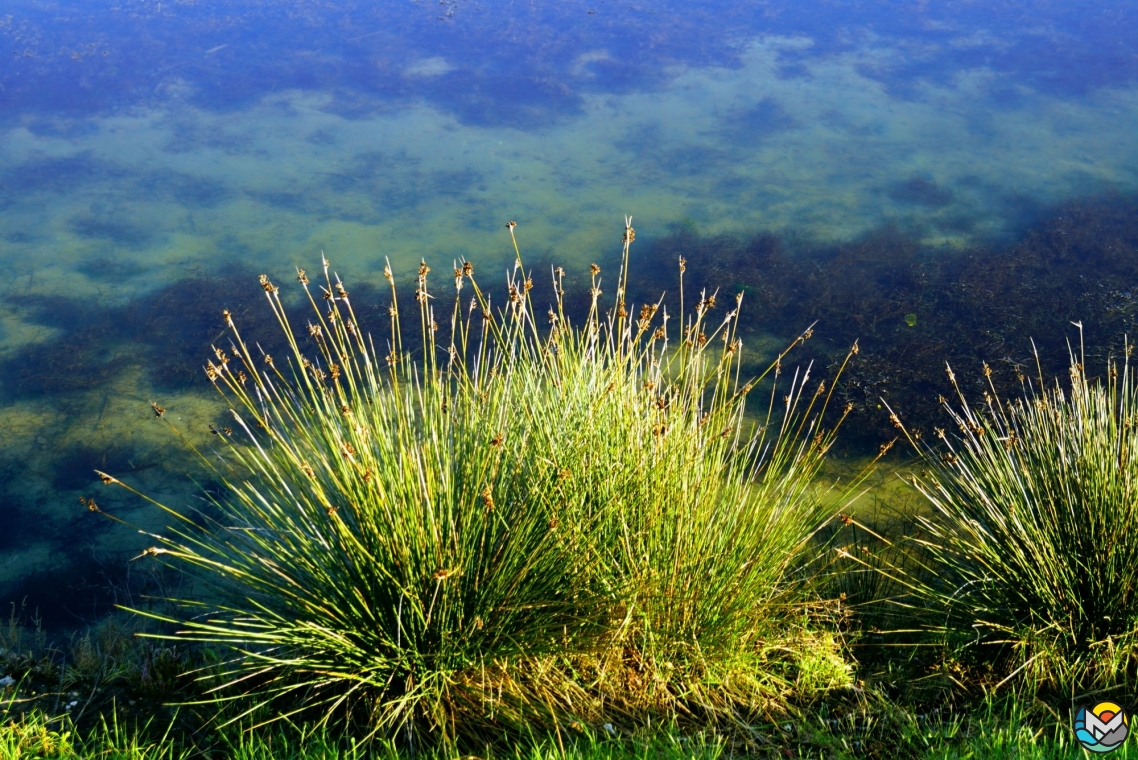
156 156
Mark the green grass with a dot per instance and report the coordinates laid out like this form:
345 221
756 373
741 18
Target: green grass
515 523
1029 561
1010 728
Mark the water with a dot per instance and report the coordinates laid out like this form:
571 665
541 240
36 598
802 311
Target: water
156 156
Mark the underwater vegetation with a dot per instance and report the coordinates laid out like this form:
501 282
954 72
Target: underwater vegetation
514 65
160 332
913 308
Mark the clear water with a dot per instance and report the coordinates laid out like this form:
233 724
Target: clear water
156 156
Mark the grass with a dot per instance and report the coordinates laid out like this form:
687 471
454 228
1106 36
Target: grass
511 523
1011 727
1028 564
516 535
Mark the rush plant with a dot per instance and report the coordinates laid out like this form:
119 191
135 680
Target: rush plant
528 520
1031 547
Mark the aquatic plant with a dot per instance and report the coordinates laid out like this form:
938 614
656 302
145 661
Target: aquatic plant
1030 554
518 524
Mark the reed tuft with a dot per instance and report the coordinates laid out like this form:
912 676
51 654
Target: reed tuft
512 522
1031 555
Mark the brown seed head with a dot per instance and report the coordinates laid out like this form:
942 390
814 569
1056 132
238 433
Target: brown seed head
594 269
301 277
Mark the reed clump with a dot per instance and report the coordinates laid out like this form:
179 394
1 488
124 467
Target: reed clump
526 523
1030 557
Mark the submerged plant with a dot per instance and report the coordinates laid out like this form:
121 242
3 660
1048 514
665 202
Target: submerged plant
529 520
1031 548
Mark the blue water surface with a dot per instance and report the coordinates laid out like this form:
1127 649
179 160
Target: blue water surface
156 156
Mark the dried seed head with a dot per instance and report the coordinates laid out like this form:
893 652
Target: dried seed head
528 286
467 268
227 318
269 359
629 235
846 519
301 277
335 370
497 439
387 272
660 333
511 224
241 378
347 449
594 269
683 265
487 499
442 574
423 269
158 411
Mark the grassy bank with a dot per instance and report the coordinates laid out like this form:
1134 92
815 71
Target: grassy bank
507 533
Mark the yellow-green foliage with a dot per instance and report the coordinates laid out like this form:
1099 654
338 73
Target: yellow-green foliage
1032 548
528 520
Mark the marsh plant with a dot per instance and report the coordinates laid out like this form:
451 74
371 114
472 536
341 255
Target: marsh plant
525 522
1031 553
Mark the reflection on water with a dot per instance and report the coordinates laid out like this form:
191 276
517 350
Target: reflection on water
155 159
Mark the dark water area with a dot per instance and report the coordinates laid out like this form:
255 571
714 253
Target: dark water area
941 182
915 311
